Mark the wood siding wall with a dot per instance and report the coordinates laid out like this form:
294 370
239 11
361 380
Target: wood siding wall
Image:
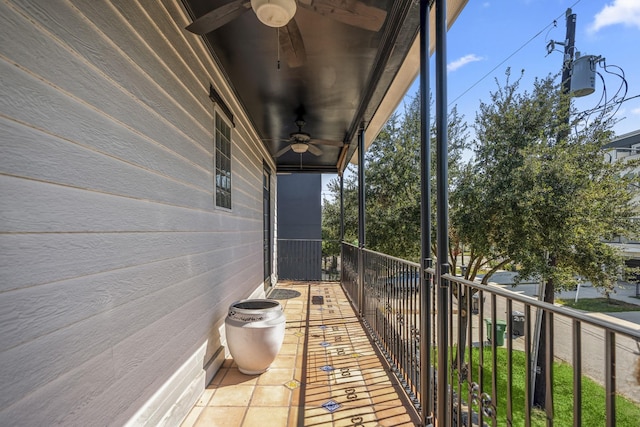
115 266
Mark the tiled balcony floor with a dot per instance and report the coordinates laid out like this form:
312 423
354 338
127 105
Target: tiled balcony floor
326 374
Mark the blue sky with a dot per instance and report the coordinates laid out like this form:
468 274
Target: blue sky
490 36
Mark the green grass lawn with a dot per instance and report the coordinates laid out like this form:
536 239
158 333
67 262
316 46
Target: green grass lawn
593 395
599 305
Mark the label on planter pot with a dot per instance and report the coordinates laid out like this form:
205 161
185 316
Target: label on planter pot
245 317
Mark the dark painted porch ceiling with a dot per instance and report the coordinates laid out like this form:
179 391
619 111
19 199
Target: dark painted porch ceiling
337 81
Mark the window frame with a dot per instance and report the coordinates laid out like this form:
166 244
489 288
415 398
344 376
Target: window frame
219 157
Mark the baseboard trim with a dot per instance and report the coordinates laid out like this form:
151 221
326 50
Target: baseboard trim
173 401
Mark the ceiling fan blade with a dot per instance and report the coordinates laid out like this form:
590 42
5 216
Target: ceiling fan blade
281 152
314 150
326 142
350 12
224 11
291 44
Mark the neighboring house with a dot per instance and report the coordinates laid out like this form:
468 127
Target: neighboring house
623 149
138 168
299 227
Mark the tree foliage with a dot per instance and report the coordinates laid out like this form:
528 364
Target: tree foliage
392 185
532 190
535 191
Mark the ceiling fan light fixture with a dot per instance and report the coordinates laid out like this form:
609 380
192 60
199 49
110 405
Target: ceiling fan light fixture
274 13
299 147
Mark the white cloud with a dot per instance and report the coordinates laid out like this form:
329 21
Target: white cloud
636 111
461 62
625 12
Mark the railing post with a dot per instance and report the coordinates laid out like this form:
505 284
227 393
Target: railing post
426 377
442 204
610 376
442 399
577 373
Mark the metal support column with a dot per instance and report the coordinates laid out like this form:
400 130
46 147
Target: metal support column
361 220
442 411
341 208
341 224
426 377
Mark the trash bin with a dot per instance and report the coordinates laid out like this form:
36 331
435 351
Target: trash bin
501 327
517 323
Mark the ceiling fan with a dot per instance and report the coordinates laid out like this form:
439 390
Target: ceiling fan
280 13
300 142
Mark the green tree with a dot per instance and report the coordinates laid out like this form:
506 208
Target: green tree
528 195
535 194
392 175
542 196
331 217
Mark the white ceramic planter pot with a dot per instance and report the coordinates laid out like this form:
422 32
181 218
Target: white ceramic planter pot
255 331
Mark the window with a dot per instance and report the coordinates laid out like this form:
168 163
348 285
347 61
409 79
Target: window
223 162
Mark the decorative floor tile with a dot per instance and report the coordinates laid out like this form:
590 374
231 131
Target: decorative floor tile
325 344
331 406
292 385
327 368
348 375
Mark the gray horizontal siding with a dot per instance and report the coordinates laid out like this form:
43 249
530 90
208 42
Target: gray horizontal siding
115 265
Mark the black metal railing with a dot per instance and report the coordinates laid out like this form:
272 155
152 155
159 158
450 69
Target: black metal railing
300 259
493 340
593 346
349 274
303 259
389 302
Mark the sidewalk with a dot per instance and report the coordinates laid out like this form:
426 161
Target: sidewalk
623 291
592 337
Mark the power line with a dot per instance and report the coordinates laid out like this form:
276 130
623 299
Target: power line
553 23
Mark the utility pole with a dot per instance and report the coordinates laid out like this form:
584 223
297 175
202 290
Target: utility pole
569 52
542 371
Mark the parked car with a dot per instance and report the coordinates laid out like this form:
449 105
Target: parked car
405 281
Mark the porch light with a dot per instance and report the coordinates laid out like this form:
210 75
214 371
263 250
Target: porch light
274 13
299 147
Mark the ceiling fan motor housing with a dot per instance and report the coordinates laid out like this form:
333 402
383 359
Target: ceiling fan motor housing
300 137
274 13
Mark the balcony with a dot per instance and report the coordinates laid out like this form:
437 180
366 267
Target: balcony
355 355
121 252
328 372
